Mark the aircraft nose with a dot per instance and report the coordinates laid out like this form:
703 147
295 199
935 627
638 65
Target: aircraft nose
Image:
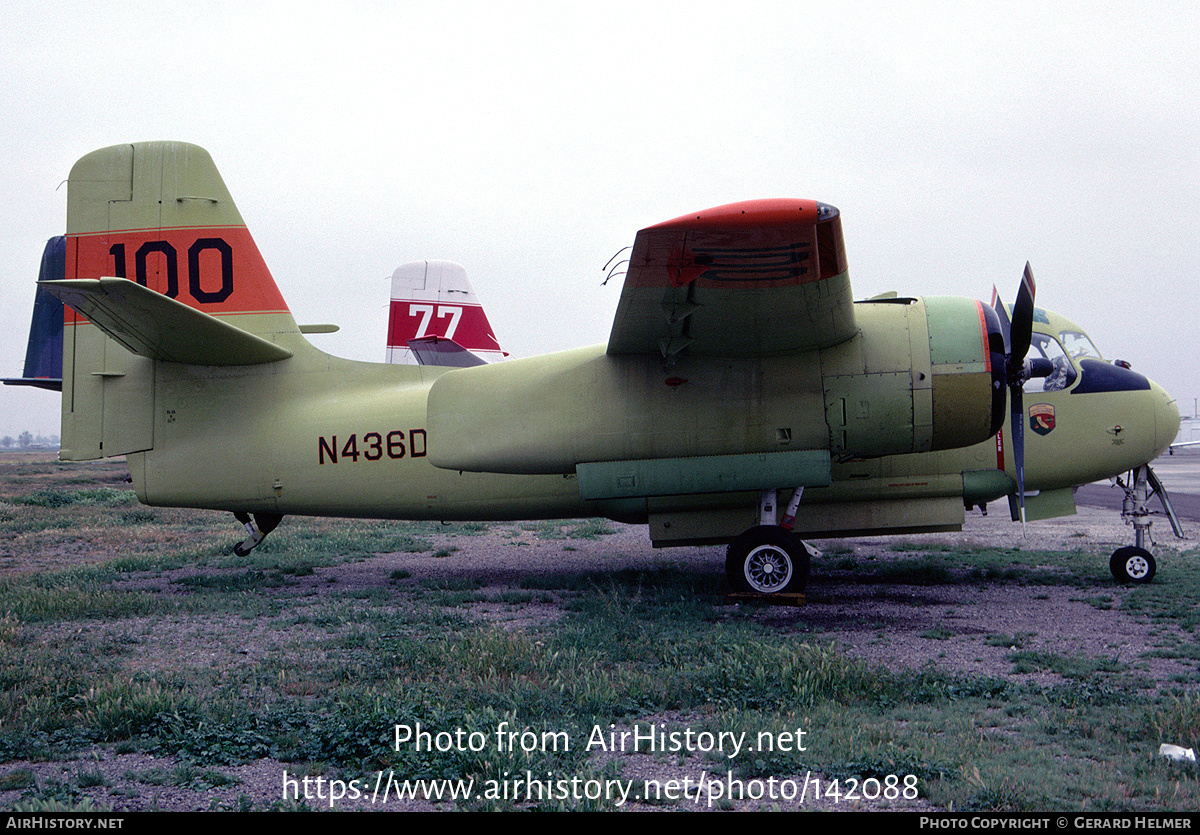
1166 418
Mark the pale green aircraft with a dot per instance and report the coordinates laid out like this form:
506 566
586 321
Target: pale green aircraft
743 396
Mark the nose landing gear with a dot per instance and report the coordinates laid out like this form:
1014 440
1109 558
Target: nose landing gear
1133 563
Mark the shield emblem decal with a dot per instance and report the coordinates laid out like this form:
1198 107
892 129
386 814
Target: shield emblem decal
1041 418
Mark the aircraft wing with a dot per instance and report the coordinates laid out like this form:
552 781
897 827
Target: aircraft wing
755 278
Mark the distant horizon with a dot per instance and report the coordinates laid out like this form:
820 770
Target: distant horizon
958 142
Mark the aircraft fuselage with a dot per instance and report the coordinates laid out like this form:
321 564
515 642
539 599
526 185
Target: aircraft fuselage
333 436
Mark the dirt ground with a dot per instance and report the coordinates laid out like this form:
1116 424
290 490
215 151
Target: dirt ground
886 624
882 623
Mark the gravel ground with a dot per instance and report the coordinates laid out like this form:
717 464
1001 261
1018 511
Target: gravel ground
888 625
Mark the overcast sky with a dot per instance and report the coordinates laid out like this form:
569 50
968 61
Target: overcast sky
530 142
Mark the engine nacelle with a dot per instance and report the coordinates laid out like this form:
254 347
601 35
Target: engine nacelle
921 375
918 376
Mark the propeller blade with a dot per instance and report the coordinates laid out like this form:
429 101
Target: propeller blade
1018 336
1017 425
1022 319
1002 313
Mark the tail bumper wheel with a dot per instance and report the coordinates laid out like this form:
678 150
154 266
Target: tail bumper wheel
767 560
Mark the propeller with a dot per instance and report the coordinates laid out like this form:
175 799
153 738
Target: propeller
1018 335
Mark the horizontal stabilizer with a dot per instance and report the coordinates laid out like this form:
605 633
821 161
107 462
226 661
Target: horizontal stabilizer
152 325
48 383
437 350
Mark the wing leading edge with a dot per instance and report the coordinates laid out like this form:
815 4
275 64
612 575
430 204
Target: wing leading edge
761 277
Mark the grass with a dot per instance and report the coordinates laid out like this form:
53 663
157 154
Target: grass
164 643
1018 640
1076 667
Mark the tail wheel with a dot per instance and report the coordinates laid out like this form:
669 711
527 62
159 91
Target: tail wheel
767 560
1132 565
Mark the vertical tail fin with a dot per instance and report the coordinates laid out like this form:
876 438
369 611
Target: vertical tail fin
43 356
158 214
432 302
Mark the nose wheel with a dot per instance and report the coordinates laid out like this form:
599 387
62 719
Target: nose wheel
1132 564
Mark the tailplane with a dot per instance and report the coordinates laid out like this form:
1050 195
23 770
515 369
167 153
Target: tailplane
436 319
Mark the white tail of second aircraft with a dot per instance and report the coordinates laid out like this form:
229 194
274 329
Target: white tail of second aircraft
435 318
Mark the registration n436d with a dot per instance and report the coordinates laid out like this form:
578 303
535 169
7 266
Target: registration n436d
371 446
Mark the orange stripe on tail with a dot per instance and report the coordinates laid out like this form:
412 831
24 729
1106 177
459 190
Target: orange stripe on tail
215 270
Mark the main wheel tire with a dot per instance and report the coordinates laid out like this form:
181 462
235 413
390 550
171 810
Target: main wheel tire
767 560
1132 565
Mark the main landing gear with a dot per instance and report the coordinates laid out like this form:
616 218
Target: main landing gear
1133 563
258 527
769 558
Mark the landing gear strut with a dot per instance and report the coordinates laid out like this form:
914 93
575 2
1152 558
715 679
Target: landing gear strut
1133 563
258 527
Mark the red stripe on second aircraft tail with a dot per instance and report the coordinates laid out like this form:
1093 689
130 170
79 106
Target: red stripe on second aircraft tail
466 324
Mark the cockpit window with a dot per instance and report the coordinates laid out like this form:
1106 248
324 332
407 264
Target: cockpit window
1078 346
1047 347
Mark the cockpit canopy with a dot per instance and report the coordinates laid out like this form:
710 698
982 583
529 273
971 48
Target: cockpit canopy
1064 351
1073 354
